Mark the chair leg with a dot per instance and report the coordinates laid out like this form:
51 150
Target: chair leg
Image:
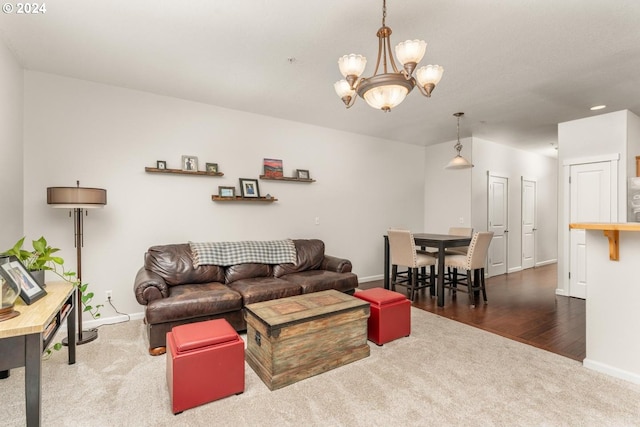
394 275
455 281
482 285
414 280
432 280
472 299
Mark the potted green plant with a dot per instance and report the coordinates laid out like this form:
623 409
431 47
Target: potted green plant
38 260
41 258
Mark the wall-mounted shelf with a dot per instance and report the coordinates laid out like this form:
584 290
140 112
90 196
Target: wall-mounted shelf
181 172
243 199
287 178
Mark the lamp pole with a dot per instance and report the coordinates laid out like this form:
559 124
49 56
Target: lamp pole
79 199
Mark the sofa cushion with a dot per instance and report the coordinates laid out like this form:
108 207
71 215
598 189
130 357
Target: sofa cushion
310 255
191 301
264 289
174 264
322 280
246 271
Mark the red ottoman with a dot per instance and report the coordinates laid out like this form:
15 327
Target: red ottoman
390 314
205 362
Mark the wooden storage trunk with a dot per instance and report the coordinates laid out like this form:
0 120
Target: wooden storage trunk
290 339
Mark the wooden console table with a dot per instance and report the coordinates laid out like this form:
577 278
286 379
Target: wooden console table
23 338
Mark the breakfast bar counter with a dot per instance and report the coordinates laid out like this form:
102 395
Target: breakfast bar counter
612 304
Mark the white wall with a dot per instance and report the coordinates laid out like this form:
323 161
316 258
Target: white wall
451 195
515 164
11 170
612 314
105 136
447 192
611 134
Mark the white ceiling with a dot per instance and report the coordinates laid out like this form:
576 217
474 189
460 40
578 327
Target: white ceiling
515 67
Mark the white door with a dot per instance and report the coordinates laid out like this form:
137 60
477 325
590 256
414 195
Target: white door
498 202
590 201
528 223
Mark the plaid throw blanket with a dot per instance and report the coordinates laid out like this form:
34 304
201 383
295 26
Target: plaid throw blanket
231 253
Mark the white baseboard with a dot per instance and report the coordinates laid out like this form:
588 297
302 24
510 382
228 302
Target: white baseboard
370 278
547 262
561 292
514 269
610 370
114 319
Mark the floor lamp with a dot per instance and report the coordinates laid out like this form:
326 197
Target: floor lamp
78 199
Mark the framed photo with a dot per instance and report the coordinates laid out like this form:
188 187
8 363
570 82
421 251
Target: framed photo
249 187
211 167
190 163
273 168
15 272
227 191
161 164
302 174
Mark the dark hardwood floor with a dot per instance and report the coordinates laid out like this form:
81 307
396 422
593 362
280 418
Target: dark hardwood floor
521 306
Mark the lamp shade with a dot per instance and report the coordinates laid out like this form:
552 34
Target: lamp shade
343 88
429 74
385 97
76 197
459 162
352 65
411 51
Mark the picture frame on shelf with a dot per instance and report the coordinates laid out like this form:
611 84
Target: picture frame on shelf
189 163
161 164
14 272
229 192
302 174
249 188
211 167
273 168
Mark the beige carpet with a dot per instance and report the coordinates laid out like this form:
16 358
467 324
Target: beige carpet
445 373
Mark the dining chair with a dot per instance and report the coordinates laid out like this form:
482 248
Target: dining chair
472 262
461 250
403 253
459 231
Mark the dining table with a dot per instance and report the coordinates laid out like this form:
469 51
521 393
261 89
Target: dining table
429 240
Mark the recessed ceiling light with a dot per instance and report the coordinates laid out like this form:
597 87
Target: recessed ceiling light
597 107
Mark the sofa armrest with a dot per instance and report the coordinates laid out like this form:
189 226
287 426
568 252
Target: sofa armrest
149 286
339 265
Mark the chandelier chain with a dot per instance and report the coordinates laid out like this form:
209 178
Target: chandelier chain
384 12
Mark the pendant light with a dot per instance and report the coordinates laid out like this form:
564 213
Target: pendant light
458 162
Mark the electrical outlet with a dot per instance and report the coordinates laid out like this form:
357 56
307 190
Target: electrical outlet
317 221
108 295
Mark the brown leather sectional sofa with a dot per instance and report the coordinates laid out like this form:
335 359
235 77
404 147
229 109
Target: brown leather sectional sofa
175 292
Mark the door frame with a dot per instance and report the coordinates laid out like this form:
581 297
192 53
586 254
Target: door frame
563 268
490 174
524 179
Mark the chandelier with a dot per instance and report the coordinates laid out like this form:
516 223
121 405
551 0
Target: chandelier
388 89
458 162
